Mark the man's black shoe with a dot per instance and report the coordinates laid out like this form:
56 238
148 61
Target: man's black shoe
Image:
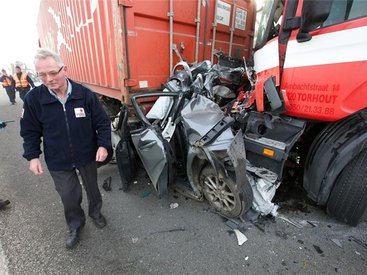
100 222
72 239
3 203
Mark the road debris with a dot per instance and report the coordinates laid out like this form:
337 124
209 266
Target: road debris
318 249
107 184
241 238
337 242
289 220
313 223
173 205
134 240
169 230
232 224
357 241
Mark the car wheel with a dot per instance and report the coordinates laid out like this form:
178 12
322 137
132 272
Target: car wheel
223 194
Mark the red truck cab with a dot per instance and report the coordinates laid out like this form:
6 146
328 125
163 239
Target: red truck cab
315 52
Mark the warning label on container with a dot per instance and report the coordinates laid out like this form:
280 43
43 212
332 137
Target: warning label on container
143 84
241 16
223 13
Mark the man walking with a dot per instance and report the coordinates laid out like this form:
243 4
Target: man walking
23 82
76 134
8 84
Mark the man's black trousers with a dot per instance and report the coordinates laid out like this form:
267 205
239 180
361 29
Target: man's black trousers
69 188
23 92
11 94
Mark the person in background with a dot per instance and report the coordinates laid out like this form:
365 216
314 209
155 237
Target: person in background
3 203
8 84
76 134
23 82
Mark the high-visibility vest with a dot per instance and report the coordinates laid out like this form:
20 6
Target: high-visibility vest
22 82
6 81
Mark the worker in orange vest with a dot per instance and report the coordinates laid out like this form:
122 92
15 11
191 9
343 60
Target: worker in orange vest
23 82
8 84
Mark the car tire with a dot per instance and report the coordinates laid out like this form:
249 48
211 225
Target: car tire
348 198
224 195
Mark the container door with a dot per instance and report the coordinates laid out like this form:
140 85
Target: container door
159 34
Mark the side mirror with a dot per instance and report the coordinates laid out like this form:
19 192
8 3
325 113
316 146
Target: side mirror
314 13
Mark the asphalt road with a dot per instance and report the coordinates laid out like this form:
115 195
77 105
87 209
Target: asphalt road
145 236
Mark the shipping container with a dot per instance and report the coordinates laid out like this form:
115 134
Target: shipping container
117 47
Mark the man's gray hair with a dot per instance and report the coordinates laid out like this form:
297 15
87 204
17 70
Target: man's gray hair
45 53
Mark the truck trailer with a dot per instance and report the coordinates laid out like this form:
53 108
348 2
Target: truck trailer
260 92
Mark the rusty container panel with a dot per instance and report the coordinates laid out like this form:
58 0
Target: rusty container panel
234 27
121 46
147 40
86 35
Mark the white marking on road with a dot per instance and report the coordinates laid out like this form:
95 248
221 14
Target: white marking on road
3 262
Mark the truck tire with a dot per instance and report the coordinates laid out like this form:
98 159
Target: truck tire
332 150
223 194
348 198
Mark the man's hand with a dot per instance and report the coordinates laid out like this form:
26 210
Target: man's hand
36 167
101 154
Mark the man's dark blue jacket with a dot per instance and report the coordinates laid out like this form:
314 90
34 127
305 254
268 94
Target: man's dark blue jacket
71 136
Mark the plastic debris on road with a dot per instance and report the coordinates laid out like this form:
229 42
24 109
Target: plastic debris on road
241 238
291 221
337 242
173 205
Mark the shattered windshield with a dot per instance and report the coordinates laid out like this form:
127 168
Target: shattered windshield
264 8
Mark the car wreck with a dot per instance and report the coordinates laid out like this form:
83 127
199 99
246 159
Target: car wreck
299 100
192 140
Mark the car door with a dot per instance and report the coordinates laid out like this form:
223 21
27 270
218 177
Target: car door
153 149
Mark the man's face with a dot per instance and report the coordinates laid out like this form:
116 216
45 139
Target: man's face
51 75
18 70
